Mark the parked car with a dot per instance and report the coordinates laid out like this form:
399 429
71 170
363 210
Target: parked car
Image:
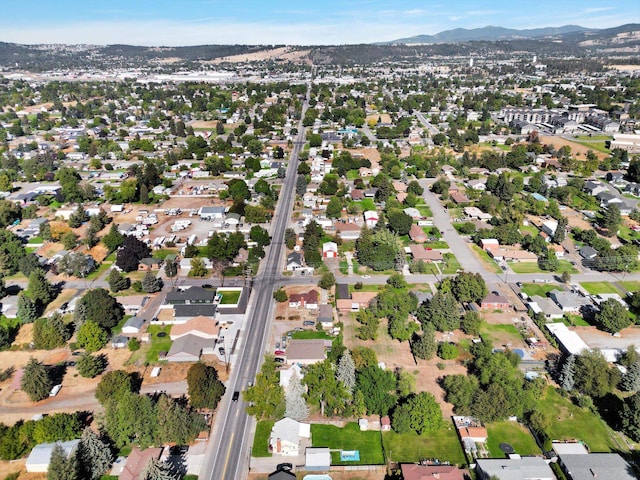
298 329
221 350
54 391
278 352
366 276
278 360
308 323
284 467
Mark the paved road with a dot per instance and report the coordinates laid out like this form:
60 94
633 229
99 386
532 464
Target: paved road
432 130
228 451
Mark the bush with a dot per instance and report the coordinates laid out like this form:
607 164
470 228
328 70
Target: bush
133 344
358 286
448 351
90 366
137 286
280 295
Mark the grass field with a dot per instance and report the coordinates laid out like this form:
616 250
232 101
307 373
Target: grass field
499 330
452 264
487 260
158 344
424 210
104 266
532 267
631 285
349 438
230 297
310 335
595 288
540 289
439 244
572 422
261 440
530 229
594 144
409 447
512 433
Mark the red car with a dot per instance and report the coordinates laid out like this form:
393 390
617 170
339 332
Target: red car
278 352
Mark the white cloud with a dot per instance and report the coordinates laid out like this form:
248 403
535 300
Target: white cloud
598 9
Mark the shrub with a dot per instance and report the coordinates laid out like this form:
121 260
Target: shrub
448 351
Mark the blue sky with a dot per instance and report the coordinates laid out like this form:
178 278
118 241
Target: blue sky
193 22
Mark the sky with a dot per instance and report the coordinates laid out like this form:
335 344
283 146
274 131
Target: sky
301 22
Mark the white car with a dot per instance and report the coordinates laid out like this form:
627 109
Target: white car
366 276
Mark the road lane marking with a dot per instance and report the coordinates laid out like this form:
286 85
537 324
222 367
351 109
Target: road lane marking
226 461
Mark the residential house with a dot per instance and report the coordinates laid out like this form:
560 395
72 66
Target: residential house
342 291
356 194
132 304
511 254
281 475
558 250
385 424
459 198
183 313
594 188
188 348
363 299
545 306
412 471
606 199
600 466
306 352
137 461
477 185
413 212
38 459
549 227
347 231
286 436
325 316
189 296
119 341
489 244
294 262
569 302
133 326
570 342
588 253
346 305
330 250
202 327
148 264
418 252
477 214
308 300
416 234
495 301
514 468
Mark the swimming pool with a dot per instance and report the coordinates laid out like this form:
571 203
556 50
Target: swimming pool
317 477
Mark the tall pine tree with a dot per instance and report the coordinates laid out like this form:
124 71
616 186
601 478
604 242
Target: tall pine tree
94 455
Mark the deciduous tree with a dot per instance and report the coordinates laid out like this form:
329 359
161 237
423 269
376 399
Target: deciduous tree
203 386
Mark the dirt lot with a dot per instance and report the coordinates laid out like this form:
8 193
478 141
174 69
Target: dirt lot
281 53
576 148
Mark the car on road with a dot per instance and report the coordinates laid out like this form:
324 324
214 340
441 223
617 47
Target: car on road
236 396
207 285
278 360
366 276
221 350
278 352
308 323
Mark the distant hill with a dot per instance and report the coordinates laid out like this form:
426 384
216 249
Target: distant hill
488 34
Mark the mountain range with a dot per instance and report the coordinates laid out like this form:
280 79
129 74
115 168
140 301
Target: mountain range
490 34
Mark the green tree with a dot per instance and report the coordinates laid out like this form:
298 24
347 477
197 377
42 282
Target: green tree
91 336
612 316
39 289
62 467
198 269
78 217
377 386
203 386
334 208
90 366
27 309
170 268
471 323
99 306
399 222
117 282
266 397
460 391
177 422
441 311
290 238
280 295
448 351
630 417
468 287
69 240
327 281
151 283
425 415
114 385
157 470
94 455
260 236
113 239
132 419
324 389
610 219
50 333
346 372
35 380
424 346
592 374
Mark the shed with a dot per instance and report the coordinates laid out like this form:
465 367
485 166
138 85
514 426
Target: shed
317 459
38 460
119 341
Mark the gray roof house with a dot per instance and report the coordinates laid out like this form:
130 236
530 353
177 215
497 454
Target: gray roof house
211 213
185 312
119 341
188 349
133 325
325 315
294 261
514 468
588 253
545 306
568 302
603 466
188 296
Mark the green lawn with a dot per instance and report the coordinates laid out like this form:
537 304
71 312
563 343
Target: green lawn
530 229
565 266
157 344
343 267
349 438
261 440
572 422
367 204
597 145
593 138
486 259
512 433
631 285
35 240
353 174
452 264
575 320
366 287
540 289
439 244
595 288
410 447
230 297
525 267
310 335
99 271
162 253
424 210
489 329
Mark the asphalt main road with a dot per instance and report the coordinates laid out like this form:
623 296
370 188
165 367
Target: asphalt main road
228 451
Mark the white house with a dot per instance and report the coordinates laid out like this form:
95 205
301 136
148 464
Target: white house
38 460
285 436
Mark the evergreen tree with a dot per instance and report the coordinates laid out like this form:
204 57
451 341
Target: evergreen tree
35 380
113 239
117 281
424 346
631 379
61 467
157 470
170 269
144 194
94 455
151 283
78 217
346 371
40 290
51 332
296 407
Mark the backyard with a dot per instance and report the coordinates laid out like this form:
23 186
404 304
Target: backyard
230 297
409 447
540 289
158 343
596 288
512 433
349 438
